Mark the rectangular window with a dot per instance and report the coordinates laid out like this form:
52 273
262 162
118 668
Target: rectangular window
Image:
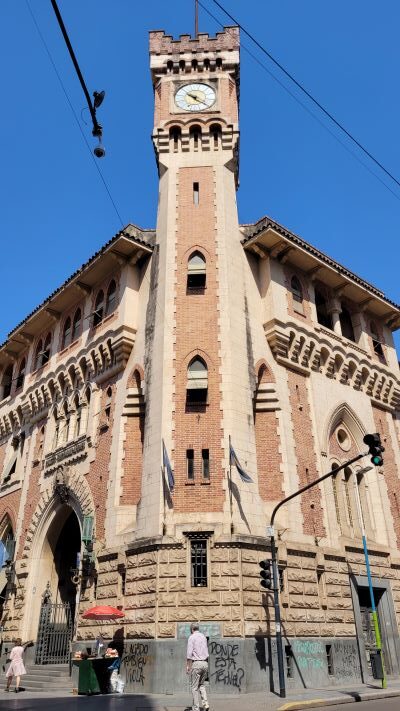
205 463
329 659
196 193
190 464
289 661
198 563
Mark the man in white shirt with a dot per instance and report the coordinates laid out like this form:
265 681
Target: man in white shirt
197 666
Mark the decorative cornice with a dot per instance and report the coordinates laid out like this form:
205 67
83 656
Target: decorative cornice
303 350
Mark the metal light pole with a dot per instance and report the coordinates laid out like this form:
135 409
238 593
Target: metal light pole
371 589
275 572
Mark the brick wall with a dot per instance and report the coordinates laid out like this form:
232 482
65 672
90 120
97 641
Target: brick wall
34 494
133 452
100 468
305 454
269 458
389 469
196 332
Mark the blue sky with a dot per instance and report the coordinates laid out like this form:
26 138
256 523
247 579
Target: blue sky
55 211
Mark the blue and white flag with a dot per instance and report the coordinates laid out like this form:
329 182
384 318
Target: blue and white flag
167 466
234 460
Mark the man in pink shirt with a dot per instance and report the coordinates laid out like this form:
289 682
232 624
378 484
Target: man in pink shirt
197 666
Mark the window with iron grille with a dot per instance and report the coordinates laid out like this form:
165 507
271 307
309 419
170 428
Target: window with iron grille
289 661
329 659
198 563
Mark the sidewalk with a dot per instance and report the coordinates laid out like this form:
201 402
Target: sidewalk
304 699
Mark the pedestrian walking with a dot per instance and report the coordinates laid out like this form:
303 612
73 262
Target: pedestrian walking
197 666
17 667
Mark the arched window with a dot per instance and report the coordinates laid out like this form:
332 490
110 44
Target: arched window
56 430
7 380
196 274
21 374
197 382
111 294
78 417
76 325
297 294
216 135
175 138
46 349
348 484
321 305
195 137
38 354
376 343
66 339
98 313
67 423
346 324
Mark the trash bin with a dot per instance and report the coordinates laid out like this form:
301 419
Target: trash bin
376 664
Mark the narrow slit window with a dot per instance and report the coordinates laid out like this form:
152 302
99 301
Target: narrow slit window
190 464
205 463
198 563
196 193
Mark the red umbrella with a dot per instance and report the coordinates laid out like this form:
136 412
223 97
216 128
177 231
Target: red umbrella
103 612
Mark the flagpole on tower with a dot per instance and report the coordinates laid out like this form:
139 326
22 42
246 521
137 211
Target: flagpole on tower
196 18
164 487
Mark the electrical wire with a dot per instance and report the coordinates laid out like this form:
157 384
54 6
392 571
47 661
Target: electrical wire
74 113
290 76
303 105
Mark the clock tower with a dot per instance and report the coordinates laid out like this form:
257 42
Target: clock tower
199 385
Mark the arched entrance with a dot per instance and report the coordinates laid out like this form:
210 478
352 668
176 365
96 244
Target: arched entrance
58 594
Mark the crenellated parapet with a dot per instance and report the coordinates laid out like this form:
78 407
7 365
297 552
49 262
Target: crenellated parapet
305 350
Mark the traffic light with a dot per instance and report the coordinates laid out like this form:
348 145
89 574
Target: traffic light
266 574
375 448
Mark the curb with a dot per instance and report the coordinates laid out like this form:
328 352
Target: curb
336 700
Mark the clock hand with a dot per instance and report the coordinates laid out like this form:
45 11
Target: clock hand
196 98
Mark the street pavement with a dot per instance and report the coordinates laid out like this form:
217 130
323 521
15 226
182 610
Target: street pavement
370 698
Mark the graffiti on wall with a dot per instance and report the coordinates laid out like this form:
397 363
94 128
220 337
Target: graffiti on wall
309 655
226 664
134 662
346 662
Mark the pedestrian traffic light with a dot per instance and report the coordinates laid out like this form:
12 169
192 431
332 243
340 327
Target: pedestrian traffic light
375 448
266 574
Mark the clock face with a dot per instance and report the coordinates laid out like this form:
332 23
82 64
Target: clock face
195 97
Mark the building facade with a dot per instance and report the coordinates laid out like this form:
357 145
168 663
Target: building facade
174 343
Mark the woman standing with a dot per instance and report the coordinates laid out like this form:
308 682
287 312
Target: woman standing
17 667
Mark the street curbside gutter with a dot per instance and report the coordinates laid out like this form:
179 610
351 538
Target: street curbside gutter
336 700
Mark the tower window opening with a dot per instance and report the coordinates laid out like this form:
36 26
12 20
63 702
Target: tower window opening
175 138
98 313
196 274
346 324
195 137
321 305
197 382
196 193
198 563
205 463
216 135
21 374
376 344
7 381
66 339
218 62
76 325
190 464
